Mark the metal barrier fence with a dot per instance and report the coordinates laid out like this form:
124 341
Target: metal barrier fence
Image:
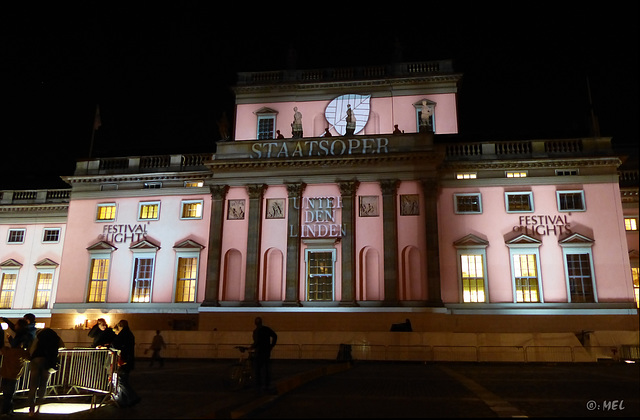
83 372
421 353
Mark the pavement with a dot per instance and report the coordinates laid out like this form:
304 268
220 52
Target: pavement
195 389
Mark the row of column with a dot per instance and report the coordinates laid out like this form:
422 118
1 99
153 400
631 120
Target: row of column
348 268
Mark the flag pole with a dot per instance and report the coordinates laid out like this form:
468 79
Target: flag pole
97 122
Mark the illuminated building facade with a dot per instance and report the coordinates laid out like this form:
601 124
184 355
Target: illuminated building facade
343 201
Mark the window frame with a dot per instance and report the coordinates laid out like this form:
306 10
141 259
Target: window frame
475 251
6 271
186 255
135 289
38 290
508 194
632 226
11 231
104 282
101 205
141 204
432 119
560 193
525 249
183 203
44 235
307 253
576 249
456 203
266 116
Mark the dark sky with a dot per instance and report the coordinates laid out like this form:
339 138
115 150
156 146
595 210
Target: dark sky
163 74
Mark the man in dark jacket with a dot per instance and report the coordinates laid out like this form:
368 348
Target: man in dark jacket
125 342
101 333
44 358
264 340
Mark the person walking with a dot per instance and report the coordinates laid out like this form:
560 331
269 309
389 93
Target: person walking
125 342
157 344
12 369
264 340
44 358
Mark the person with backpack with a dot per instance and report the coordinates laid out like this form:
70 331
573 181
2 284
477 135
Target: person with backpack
44 361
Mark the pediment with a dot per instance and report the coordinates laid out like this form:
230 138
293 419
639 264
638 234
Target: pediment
46 263
188 244
523 240
575 239
471 240
265 110
145 244
101 246
10 263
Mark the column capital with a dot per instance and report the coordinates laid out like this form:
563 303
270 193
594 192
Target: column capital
389 186
348 188
295 189
256 190
218 192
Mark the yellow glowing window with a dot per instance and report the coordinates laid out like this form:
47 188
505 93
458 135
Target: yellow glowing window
631 223
193 184
636 284
106 212
43 291
516 174
98 281
186 282
466 175
192 210
472 269
7 290
526 278
149 211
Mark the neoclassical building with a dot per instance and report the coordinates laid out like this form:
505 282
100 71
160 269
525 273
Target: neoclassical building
342 200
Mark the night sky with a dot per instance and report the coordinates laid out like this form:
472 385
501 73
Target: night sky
163 74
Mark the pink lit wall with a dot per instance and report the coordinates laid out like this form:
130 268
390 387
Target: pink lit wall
385 112
28 253
602 222
168 231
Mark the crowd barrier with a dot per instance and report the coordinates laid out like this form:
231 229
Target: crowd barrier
83 372
421 353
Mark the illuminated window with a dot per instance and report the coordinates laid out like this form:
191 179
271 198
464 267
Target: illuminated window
466 175
16 236
525 272
516 174
98 279
518 202
142 280
51 235
636 283
570 200
193 184
7 289
467 203
44 284
472 275
631 223
320 268
186 279
191 210
148 211
106 212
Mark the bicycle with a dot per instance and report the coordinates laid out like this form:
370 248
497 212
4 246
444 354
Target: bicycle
240 374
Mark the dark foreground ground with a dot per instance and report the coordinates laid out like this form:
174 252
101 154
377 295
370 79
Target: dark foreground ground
191 389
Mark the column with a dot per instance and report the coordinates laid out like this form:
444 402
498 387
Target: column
348 243
255 192
294 213
218 194
390 236
430 189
